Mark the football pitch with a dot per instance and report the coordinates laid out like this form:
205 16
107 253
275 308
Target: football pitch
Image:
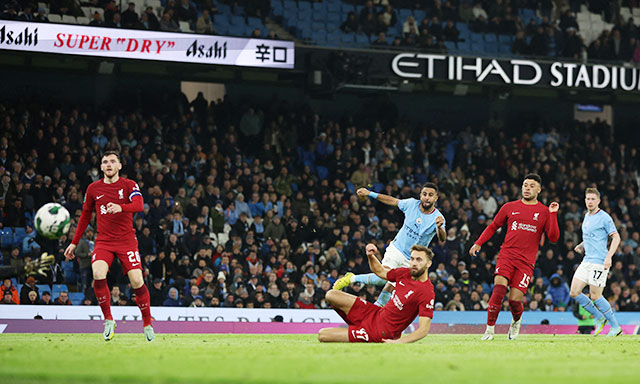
86 358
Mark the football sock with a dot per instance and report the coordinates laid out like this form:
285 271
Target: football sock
516 309
101 289
383 298
495 303
369 278
586 303
144 301
607 311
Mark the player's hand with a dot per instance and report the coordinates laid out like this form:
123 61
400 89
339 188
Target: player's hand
114 208
475 249
391 341
69 252
553 207
607 263
363 192
579 248
439 221
371 249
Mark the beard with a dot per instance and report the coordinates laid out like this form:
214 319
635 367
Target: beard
427 206
531 197
419 272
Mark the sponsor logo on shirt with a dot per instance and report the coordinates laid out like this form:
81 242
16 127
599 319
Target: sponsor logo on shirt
430 304
525 227
408 294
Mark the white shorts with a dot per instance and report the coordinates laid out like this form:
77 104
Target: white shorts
393 258
593 274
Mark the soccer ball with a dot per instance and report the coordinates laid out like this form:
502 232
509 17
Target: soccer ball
52 220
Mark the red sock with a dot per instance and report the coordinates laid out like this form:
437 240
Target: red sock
101 289
516 309
144 303
495 303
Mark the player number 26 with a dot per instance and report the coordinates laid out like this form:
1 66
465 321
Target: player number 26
134 257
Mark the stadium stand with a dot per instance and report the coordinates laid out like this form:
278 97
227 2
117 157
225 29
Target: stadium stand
247 217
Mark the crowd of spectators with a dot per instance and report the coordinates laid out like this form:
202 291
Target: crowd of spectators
254 205
555 33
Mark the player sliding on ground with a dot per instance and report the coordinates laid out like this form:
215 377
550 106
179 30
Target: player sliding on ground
422 221
597 228
368 322
527 219
115 199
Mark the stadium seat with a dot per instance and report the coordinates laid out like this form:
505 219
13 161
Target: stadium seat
87 11
477 47
346 8
378 187
54 18
362 39
83 20
223 238
318 26
419 15
69 19
323 172
254 22
319 37
237 20
403 14
57 288
476 37
19 234
304 5
347 38
491 47
333 8
43 287
6 238
464 46
351 187
490 38
451 46
75 298
505 39
185 27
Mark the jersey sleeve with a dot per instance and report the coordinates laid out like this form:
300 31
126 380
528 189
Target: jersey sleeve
134 190
396 274
498 221
405 204
425 307
610 226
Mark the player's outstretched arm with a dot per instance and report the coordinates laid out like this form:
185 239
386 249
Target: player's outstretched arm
422 331
498 221
374 263
551 229
385 199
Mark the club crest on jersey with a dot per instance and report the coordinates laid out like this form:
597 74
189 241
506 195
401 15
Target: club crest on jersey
419 220
120 194
535 216
514 225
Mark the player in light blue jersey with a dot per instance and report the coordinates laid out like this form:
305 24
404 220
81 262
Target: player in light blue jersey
597 228
422 221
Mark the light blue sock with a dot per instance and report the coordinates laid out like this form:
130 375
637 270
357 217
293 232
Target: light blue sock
369 278
586 303
383 298
607 311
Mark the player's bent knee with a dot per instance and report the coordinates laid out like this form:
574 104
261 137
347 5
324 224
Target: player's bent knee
331 296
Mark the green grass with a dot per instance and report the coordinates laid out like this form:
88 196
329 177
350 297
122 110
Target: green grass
452 359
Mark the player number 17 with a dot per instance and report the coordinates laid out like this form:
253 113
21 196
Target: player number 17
597 274
134 257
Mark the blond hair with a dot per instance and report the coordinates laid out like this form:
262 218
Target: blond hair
592 190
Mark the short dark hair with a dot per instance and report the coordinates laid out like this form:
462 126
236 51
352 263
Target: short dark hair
534 176
421 248
109 153
432 186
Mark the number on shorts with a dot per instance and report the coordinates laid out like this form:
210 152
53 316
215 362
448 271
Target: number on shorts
525 281
134 257
597 274
360 334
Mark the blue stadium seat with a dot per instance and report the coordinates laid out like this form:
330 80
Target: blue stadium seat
451 46
504 47
476 37
378 187
322 172
403 14
236 30
362 40
43 287
6 238
464 46
351 187
320 15
304 5
346 38
477 47
505 38
419 15
333 7
290 5
19 234
237 20
319 7
346 8
57 288
318 26
75 298
14 282
254 22
305 15
490 38
491 47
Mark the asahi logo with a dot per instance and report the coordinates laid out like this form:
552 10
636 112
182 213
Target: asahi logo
25 37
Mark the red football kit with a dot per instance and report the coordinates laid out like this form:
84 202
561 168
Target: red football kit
411 298
116 235
525 226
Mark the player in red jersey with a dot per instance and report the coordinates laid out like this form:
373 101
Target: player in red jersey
527 219
370 323
114 199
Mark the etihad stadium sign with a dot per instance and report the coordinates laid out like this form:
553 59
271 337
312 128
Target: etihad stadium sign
515 71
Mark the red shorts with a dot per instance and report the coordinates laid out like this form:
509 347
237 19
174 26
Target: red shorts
516 271
126 252
362 324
